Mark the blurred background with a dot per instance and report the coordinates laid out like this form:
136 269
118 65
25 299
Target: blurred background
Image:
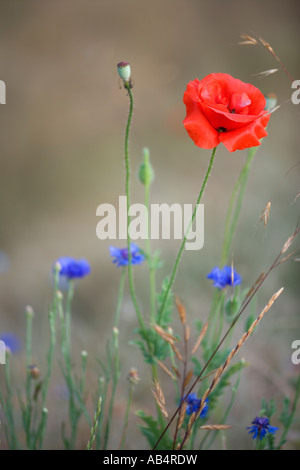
62 139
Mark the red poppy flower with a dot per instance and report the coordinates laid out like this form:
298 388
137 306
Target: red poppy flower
221 108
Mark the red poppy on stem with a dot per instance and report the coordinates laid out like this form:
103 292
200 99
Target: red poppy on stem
221 108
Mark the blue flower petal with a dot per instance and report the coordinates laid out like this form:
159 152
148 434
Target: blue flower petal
120 255
72 268
224 277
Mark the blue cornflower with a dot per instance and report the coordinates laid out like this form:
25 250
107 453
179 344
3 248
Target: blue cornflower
261 427
72 268
224 277
193 404
11 341
121 255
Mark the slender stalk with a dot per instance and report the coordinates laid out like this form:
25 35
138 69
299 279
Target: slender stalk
115 378
8 406
95 425
150 260
102 392
120 298
127 190
28 409
291 417
70 295
57 299
126 419
175 267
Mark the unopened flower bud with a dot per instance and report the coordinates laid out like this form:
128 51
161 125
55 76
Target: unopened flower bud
29 311
34 371
133 376
146 173
124 71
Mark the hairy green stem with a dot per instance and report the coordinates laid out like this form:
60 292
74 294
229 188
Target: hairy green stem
127 190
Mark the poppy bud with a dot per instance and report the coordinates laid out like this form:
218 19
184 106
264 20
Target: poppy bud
124 71
146 173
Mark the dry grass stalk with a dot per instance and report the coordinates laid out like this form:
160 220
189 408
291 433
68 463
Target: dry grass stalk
166 370
159 397
216 427
176 351
287 244
266 73
182 414
297 195
190 423
187 333
248 40
230 356
265 213
188 378
176 371
181 310
252 289
287 257
253 41
164 335
200 338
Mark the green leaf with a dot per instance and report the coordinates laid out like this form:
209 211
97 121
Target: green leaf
166 317
152 431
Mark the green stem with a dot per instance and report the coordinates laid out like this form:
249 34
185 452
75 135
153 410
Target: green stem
28 410
218 325
70 295
291 417
149 256
52 318
126 419
120 298
175 267
127 190
8 406
115 378
102 392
